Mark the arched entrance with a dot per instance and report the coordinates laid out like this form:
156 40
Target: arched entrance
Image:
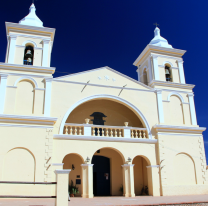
141 175
107 172
73 161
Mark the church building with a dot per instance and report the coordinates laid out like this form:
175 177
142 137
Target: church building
119 136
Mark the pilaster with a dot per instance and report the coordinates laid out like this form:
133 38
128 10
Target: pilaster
160 106
47 102
192 108
87 178
3 87
46 48
155 66
128 180
12 48
181 71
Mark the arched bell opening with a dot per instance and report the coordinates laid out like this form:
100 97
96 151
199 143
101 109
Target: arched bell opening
168 73
28 55
141 181
107 172
73 161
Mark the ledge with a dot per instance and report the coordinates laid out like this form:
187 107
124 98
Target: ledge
179 129
171 84
105 139
27 68
20 119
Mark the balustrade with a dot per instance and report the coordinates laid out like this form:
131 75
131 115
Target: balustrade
103 131
139 133
73 129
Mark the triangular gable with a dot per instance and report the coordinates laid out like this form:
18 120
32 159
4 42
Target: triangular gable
104 76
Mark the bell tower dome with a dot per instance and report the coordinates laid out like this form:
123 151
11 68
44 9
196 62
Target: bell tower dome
29 42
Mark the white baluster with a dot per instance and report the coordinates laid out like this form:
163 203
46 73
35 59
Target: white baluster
144 133
70 130
140 134
98 132
80 131
120 133
66 131
136 134
111 132
115 132
93 131
132 133
103 135
107 132
75 131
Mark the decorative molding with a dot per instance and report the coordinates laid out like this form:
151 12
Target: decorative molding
26 78
179 129
25 75
175 94
150 166
29 41
167 62
174 134
171 67
128 165
20 119
27 68
12 87
57 164
105 139
88 165
38 48
171 84
27 126
62 171
39 89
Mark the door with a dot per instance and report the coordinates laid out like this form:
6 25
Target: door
101 176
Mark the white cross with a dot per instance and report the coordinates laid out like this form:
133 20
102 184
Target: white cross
106 77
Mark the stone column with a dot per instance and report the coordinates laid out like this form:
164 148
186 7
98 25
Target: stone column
62 179
160 106
192 108
46 48
155 66
12 48
47 102
128 180
181 71
153 180
3 86
87 180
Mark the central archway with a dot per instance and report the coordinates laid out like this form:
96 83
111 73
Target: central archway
132 107
107 172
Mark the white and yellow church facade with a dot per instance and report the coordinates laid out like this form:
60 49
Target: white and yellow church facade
112 131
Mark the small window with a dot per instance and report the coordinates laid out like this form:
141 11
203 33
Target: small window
28 55
168 74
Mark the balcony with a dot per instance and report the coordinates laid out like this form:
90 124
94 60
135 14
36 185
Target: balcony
105 131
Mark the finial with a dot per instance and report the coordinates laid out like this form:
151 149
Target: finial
156 24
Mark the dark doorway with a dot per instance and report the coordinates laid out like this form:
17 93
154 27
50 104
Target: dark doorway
101 176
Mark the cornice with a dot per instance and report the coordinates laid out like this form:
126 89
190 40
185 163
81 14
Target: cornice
157 51
27 68
20 119
104 139
171 84
179 129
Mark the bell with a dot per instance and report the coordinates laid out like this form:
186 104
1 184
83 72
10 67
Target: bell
167 71
28 53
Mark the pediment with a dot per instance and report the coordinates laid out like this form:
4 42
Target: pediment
104 76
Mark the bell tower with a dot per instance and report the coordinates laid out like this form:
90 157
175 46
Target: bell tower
160 62
29 43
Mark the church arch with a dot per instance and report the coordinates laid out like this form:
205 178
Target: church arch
110 97
167 63
30 79
29 42
184 169
19 165
175 94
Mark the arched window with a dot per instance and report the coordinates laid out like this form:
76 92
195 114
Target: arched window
168 75
145 80
28 55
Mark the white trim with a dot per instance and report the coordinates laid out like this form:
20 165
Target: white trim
127 165
47 101
88 165
3 86
97 69
27 119
182 134
111 97
12 48
192 108
29 41
21 74
155 67
101 85
171 67
26 78
167 62
27 126
172 90
150 166
57 164
181 71
39 89
11 87
27 68
63 171
175 94
160 106
103 139
38 48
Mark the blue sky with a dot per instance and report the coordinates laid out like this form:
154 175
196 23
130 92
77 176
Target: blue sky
96 33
